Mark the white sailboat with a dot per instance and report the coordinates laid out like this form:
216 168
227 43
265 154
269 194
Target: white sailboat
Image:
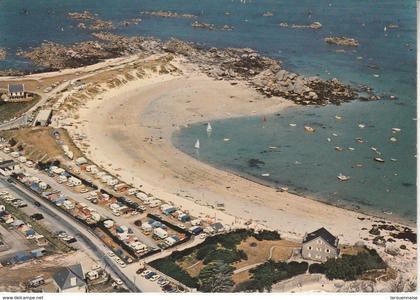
197 144
342 177
209 128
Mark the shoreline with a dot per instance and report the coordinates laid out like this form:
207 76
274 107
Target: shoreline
348 205
127 130
167 132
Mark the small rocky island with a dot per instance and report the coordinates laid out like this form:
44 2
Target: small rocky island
313 25
342 41
168 14
3 54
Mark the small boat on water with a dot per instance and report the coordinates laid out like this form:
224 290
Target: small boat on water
351 148
292 125
226 139
338 117
309 129
392 139
360 140
342 177
387 212
373 149
361 125
393 159
334 134
378 159
265 174
395 129
272 147
209 128
337 148
329 139
197 144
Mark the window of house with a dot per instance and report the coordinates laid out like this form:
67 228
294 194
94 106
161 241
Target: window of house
327 250
310 248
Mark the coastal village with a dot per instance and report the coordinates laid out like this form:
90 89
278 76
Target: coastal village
111 232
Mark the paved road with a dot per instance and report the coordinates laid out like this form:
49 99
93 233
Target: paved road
84 235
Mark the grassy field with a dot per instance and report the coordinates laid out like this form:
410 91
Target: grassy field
8 110
39 141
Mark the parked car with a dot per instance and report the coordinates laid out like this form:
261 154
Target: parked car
36 203
150 275
145 273
155 277
37 217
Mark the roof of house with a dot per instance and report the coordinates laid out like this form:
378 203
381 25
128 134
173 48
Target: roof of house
63 277
217 226
324 234
16 88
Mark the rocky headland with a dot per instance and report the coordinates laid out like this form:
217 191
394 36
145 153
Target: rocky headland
264 74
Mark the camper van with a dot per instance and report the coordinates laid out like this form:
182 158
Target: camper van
160 233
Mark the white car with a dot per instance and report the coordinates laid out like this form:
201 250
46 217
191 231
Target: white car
155 277
202 236
118 281
145 273
122 264
111 254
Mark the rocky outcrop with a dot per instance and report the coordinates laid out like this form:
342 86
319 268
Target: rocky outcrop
86 15
168 14
342 41
209 26
3 53
264 74
314 25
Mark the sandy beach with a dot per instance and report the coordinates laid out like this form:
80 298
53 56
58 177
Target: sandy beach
129 133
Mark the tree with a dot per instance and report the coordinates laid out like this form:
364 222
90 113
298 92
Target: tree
216 277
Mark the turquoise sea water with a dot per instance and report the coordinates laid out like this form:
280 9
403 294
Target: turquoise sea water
391 55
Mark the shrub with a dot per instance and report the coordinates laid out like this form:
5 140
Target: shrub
267 235
265 275
316 268
348 267
170 268
225 255
204 251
